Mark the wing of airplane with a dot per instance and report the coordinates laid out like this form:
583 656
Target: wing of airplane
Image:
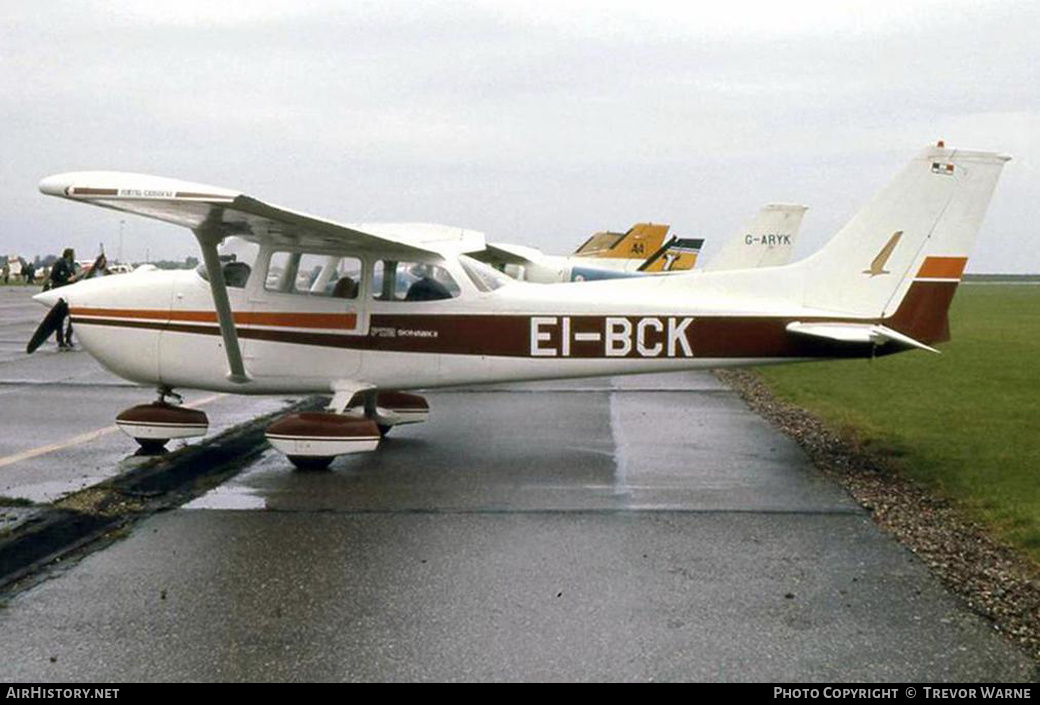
213 213
769 242
227 212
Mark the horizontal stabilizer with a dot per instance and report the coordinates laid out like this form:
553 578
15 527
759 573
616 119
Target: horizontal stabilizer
857 334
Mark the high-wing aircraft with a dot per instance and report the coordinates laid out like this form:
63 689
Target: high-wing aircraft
364 312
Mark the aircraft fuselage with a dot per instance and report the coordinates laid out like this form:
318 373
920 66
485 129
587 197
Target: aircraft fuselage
160 328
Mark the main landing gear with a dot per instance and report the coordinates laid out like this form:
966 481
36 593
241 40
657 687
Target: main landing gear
153 425
311 440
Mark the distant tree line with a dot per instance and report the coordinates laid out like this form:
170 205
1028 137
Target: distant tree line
187 263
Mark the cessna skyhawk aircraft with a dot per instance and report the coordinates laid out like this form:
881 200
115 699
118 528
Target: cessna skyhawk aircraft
769 242
362 312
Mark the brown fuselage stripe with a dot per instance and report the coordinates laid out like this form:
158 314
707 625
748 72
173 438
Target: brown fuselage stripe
509 336
922 316
942 268
334 321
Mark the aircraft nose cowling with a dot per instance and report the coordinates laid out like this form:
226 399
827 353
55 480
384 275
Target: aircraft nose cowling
47 298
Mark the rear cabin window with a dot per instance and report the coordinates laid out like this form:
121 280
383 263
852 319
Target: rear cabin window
314 275
412 281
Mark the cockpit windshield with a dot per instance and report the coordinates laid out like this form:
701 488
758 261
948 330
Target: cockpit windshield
484 277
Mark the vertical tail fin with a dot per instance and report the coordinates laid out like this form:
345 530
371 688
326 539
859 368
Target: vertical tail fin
639 241
769 242
901 256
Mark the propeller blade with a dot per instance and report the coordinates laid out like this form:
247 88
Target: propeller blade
51 322
96 269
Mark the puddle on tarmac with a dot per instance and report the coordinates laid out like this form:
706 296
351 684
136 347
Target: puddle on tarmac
228 497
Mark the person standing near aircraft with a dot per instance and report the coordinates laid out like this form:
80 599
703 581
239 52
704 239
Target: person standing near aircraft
63 272
30 273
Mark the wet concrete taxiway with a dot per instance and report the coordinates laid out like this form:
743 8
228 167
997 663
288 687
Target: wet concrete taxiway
639 529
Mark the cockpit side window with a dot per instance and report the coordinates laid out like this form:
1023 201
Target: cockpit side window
313 274
412 281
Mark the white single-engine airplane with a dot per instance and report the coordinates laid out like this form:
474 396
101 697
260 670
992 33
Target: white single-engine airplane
362 312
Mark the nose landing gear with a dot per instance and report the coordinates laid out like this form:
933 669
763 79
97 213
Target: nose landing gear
153 425
311 440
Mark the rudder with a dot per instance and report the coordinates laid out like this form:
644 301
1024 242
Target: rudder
901 256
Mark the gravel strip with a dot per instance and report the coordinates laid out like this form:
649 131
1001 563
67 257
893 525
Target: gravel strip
992 578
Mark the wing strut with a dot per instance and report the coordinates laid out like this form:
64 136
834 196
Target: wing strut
208 243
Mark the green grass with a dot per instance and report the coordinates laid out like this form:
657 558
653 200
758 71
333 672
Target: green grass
966 423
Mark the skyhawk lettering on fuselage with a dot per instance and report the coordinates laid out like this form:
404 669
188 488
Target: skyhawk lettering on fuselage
616 336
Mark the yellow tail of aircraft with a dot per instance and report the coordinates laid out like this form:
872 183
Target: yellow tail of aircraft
640 241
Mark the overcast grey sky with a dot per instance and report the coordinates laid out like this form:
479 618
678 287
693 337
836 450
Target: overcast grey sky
536 123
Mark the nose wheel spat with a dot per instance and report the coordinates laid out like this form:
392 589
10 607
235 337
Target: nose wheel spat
153 425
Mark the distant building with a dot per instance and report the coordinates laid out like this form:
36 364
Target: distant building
14 265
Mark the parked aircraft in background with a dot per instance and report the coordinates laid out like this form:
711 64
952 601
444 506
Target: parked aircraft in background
636 243
603 255
398 307
532 265
768 242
